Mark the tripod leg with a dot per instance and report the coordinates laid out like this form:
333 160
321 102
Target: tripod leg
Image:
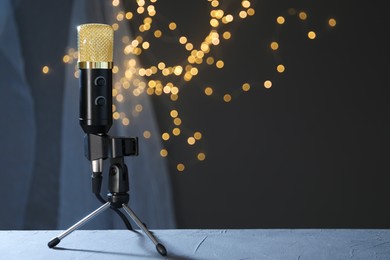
160 248
52 243
117 211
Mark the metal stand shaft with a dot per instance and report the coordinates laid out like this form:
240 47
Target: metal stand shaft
160 248
79 224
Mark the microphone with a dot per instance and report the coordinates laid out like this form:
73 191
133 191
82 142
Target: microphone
95 44
95 52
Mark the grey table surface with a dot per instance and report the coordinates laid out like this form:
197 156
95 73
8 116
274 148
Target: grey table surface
297 244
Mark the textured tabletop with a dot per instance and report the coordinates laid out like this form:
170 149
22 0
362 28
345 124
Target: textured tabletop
201 244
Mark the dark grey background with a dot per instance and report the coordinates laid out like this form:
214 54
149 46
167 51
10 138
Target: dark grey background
313 150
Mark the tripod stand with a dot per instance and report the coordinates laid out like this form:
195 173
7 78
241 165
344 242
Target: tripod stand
98 148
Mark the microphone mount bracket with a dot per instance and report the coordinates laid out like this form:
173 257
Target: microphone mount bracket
104 146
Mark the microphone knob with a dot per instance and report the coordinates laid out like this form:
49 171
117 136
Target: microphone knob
100 101
100 81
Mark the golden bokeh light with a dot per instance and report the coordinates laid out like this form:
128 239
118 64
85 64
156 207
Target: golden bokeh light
191 140
180 167
267 84
201 156
140 10
227 98
163 152
219 64
198 135
116 115
214 22
302 15
210 60
45 69
246 87
157 33
227 19
165 136
176 131
66 58
115 2
332 22
145 45
119 98
120 16
208 91
312 35
115 69
125 121
280 20
246 4
280 68
183 40
274 46
243 14
172 26
226 35
138 108
129 15
174 113
251 11
147 134
115 26
189 46
177 121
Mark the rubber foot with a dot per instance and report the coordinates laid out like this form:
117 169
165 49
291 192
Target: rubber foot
161 249
53 242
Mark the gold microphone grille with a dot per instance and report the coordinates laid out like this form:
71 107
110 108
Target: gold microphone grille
95 42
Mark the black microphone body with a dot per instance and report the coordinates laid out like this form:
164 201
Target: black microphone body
95 100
